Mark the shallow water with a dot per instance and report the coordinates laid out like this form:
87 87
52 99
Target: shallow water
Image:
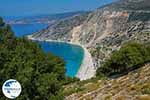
72 54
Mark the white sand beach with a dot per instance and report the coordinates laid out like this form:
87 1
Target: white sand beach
87 69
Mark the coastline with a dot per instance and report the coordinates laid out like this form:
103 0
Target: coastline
86 70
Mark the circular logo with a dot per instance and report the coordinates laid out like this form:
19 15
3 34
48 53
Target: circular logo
11 89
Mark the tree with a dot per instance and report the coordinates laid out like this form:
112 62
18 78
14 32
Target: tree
41 75
130 56
1 22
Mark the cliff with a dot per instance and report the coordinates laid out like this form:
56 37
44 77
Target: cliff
104 30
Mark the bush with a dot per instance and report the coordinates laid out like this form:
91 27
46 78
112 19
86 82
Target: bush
41 75
1 22
130 56
70 80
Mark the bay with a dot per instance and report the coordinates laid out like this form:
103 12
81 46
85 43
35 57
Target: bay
72 54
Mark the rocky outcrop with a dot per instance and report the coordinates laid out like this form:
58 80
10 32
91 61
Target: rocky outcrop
105 29
61 29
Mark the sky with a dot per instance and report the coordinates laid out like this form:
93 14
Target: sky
40 7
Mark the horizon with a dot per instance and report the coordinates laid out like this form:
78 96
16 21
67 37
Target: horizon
46 7
47 14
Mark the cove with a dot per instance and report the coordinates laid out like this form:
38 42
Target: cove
72 54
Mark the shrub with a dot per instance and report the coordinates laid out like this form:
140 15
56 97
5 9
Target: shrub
41 75
130 56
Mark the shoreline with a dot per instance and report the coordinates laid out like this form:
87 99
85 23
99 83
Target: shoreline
87 69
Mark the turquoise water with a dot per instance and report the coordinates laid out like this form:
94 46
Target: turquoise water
72 54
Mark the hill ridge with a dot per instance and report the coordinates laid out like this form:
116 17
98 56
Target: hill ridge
104 30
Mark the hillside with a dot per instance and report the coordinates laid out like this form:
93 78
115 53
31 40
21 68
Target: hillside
104 30
133 86
60 29
24 61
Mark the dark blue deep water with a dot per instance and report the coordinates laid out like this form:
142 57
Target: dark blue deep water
72 54
26 29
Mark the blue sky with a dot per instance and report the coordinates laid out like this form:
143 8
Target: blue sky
36 7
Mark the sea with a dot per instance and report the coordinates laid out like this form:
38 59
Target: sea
72 54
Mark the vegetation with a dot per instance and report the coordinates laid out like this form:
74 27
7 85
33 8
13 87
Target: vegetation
41 75
82 87
134 86
1 22
129 57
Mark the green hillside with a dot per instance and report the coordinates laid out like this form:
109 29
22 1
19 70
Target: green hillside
40 75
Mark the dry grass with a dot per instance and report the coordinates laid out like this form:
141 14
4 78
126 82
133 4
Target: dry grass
134 86
143 97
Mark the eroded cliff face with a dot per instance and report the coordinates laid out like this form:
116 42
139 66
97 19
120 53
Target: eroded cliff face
61 29
106 29
102 24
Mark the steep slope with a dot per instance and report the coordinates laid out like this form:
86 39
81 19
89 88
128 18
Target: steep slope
61 29
133 86
105 29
